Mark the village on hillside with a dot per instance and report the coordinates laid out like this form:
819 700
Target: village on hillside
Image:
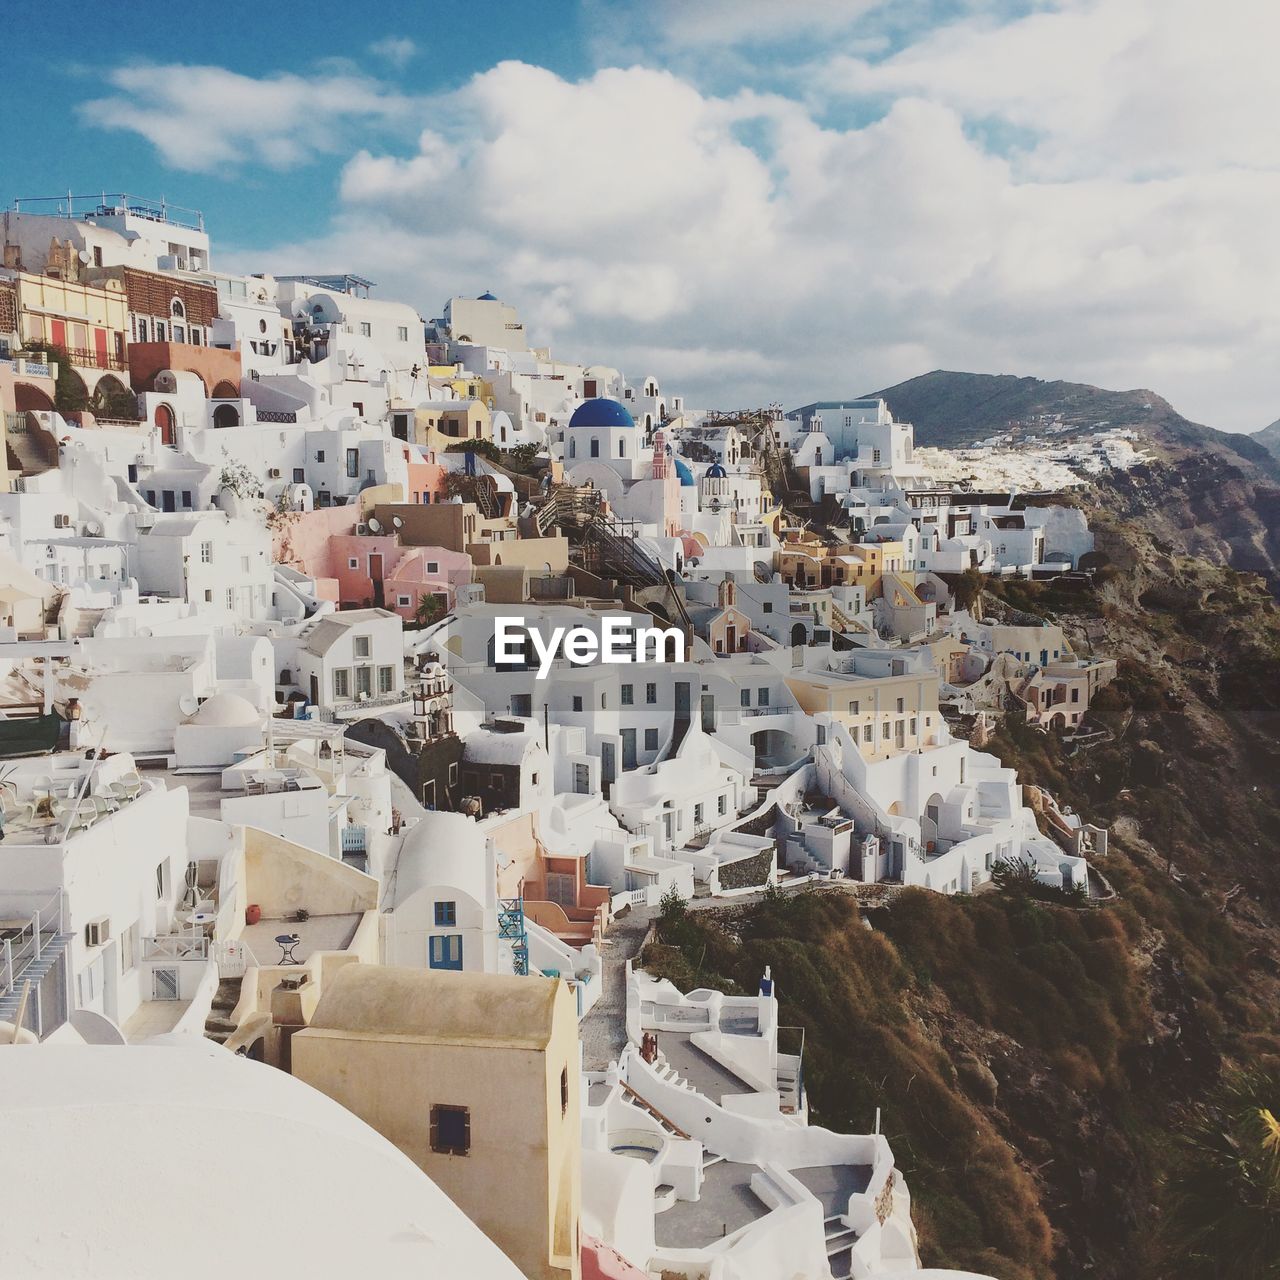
276 805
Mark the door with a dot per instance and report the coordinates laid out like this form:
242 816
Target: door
58 332
315 690
167 500
375 575
165 984
608 766
445 951
682 701
364 681
708 713
100 347
628 749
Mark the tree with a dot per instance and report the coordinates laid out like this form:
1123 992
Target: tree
968 589
485 448
428 611
1223 1196
69 393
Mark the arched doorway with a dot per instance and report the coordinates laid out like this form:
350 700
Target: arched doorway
225 391
112 399
164 420
26 397
799 634
226 415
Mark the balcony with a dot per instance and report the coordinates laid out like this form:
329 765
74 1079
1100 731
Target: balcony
83 358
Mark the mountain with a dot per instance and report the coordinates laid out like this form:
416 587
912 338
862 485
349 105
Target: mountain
1207 493
1269 438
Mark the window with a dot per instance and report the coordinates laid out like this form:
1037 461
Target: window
299 475
722 805
363 646
866 732
453 774
450 1130
577 702
853 707
129 948
651 694
446 915
763 697
651 739
884 729
433 566
564 1091
342 683
768 606
628 695
353 563
403 602
206 553
744 697
595 448
353 463
386 679
162 876
186 499
402 333
902 706
366 329
581 779
319 455
697 814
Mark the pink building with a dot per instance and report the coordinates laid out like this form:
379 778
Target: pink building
432 571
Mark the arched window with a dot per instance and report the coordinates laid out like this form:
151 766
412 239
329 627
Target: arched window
622 447
177 310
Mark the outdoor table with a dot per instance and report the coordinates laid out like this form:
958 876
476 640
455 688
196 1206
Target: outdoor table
288 941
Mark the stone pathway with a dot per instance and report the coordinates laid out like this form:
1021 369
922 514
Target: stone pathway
604 1029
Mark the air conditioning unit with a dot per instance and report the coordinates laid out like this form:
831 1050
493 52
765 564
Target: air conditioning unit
274 473
362 529
96 932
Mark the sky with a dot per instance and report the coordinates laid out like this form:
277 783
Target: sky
793 200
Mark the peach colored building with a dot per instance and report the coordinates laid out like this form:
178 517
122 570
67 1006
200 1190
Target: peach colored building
219 370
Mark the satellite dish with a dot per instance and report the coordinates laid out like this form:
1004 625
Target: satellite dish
85 256
188 704
375 525
93 528
397 522
764 571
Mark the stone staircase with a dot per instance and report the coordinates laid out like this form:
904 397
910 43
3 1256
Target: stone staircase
51 949
840 1241
218 1026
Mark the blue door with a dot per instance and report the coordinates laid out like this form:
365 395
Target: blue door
445 951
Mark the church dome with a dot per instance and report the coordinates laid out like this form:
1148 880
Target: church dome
716 472
601 413
686 476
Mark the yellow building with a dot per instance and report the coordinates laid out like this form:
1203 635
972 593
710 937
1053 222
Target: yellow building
437 426
474 1077
89 322
885 715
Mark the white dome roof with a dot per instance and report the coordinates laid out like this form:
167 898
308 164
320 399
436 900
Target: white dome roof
291 1179
225 710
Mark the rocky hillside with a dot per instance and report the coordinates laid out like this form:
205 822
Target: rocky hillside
1038 1065
1269 438
1209 493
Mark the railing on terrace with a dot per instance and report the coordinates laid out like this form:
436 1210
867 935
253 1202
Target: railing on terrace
107 204
354 839
277 415
176 946
90 359
25 943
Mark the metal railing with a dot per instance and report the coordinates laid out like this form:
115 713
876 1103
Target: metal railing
92 359
23 949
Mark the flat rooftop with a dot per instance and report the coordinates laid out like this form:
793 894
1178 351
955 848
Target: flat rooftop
726 1204
319 933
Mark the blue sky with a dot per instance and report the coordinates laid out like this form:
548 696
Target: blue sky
752 200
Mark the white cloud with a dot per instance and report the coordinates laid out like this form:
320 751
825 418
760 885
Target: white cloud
203 119
399 51
745 247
